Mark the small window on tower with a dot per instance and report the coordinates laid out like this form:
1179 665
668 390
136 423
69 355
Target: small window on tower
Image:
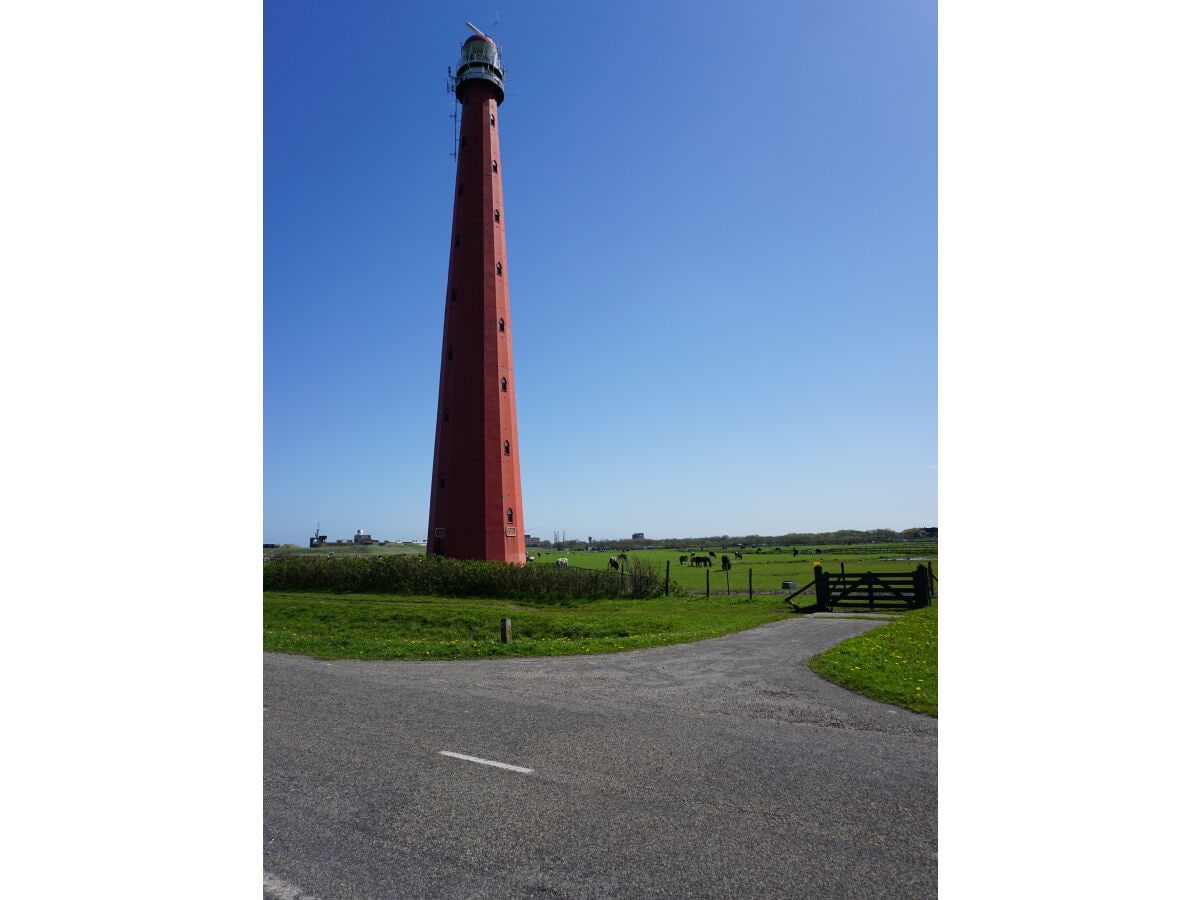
496 215
446 414
499 268
492 117
504 385
442 481
495 166
449 353
510 514
506 449
457 239
502 323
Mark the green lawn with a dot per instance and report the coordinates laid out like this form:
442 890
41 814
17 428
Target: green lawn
895 663
373 626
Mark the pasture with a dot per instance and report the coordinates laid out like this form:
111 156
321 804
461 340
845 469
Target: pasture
767 568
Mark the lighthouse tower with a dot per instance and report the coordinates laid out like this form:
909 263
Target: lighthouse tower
475 502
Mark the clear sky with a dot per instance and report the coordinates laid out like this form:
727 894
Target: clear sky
722 245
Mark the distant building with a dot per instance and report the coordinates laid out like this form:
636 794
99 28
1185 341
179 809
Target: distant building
318 539
361 537
638 536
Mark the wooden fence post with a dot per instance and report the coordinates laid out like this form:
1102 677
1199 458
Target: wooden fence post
751 571
667 583
506 631
921 586
707 573
822 581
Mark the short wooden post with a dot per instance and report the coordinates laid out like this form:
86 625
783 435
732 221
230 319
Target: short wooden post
667 583
707 579
506 631
751 574
870 591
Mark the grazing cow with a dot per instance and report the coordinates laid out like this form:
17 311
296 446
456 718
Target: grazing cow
562 562
737 554
701 561
613 564
683 560
726 565
795 552
622 557
528 558
713 555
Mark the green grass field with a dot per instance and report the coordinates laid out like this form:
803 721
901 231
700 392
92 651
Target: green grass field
768 570
372 626
895 663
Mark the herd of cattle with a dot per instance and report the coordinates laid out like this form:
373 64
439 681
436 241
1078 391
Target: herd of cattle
697 559
694 559
614 562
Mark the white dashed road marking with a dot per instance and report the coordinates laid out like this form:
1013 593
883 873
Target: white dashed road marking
276 888
485 762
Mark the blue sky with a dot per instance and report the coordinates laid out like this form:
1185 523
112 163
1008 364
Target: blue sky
722 242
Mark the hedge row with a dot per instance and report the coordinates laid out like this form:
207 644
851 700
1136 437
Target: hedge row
441 577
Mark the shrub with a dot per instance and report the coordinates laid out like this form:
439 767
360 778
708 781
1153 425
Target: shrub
439 576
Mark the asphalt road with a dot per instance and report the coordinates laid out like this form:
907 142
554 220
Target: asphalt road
723 768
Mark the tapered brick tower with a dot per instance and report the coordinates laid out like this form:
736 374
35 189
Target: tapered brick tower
475 502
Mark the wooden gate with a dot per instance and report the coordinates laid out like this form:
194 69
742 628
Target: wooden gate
906 590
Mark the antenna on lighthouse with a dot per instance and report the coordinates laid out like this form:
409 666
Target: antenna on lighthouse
476 30
451 82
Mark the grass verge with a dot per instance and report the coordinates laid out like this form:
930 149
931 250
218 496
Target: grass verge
894 663
375 626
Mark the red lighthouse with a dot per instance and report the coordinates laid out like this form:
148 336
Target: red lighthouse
475 502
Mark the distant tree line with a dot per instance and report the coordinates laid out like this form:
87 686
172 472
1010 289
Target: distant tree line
844 536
